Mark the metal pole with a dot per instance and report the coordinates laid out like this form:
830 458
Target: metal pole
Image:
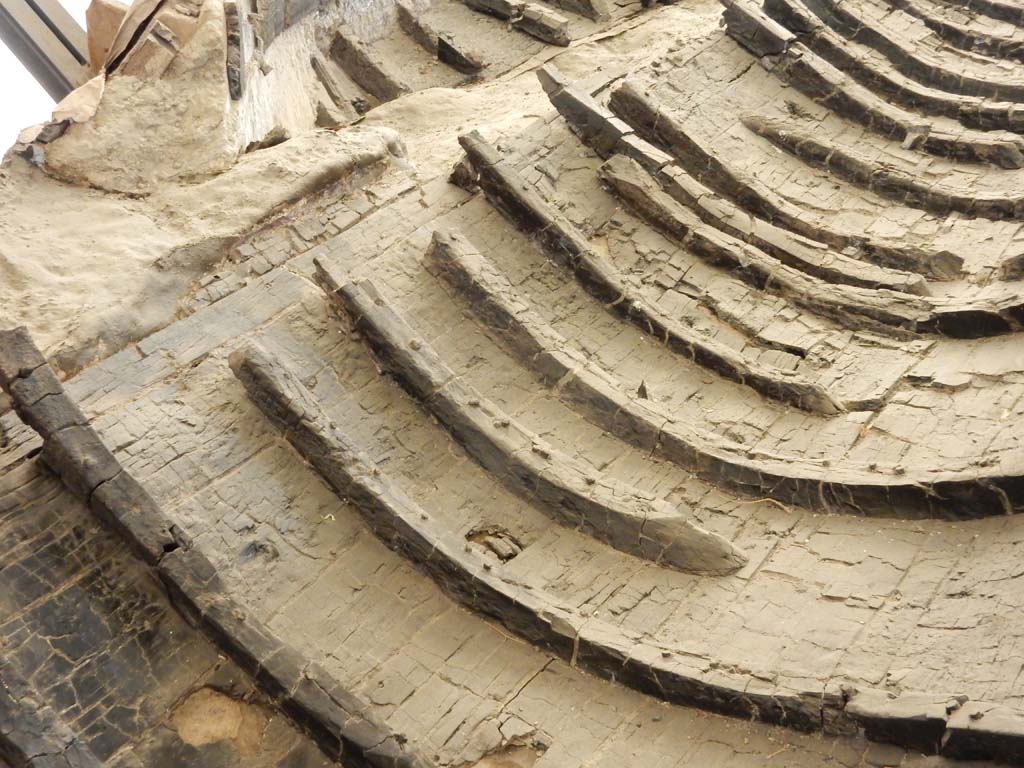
48 42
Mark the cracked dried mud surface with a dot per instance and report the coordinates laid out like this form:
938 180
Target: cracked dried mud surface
849 584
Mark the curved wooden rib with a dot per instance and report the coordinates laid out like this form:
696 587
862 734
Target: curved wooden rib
856 490
919 721
607 135
568 246
340 722
918 62
611 512
852 306
991 310
889 180
873 70
533 614
964 35
797 65
1004 10
653 124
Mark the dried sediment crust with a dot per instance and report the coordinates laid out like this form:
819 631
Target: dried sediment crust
337 720
613 513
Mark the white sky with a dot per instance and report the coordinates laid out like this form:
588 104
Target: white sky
23 100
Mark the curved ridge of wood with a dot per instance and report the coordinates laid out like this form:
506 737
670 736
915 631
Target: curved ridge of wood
853 490
569 247
611 512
